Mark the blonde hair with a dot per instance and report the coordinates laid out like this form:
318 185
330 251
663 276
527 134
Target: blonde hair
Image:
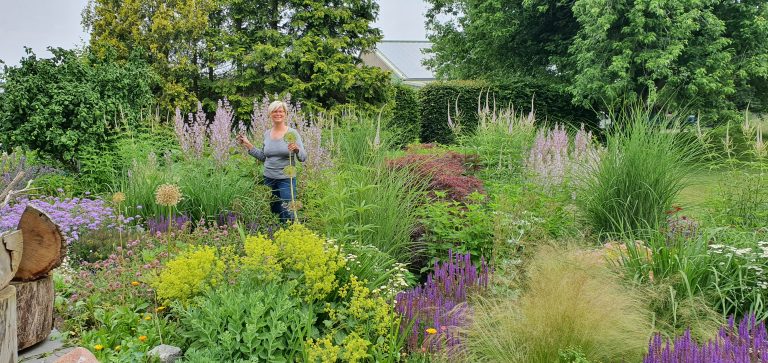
274 106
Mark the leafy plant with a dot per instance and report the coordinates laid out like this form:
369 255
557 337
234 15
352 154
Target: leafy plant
273 326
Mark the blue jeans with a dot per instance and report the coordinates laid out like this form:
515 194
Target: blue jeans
281 190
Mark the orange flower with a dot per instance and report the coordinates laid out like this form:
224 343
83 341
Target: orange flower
143 338
135 283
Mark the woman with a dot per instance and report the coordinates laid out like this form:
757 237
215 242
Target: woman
276 155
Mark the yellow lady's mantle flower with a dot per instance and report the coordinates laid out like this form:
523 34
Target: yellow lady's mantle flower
431 331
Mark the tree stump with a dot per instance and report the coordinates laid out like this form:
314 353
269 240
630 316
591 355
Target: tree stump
8 344
34 310
44 246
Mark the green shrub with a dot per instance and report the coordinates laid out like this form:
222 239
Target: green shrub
571 300
405 123
641 172
436 100
458 226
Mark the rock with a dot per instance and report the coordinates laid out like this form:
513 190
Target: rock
78 355
166 353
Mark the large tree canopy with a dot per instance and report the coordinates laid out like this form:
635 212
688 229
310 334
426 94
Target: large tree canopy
242 49
695 53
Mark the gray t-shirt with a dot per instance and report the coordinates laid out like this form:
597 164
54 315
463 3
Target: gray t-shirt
275 154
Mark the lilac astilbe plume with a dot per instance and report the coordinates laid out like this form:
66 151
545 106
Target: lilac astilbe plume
220 132
440 304
552 161
182 132
747 343
196 131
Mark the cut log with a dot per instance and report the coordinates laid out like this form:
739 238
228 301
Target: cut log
44 246
34 310
8 344
10 256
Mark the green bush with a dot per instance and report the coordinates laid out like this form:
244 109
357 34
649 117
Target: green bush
63 105
405 123
550 102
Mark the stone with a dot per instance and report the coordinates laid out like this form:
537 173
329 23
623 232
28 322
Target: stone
166 353
78 355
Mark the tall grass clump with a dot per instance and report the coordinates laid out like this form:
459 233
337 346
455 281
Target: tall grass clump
643 169
362 198
572 302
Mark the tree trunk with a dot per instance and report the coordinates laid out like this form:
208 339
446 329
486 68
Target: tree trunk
8 344
34 308
44 246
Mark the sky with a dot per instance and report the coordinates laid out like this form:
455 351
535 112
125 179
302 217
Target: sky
41 23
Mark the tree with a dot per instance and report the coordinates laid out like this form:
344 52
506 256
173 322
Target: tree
640 48
65 104
692 53
171 32
241 49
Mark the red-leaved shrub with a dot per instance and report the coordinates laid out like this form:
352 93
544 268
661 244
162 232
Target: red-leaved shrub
446 170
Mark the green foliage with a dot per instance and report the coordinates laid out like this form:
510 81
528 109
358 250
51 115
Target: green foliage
405 124
60 106
639 49
641 172
704 55
272 325
462 227
466 101
438 101
595 312
741 202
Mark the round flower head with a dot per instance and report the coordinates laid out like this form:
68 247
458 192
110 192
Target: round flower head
290 171
295 206
168 195
118 197
290 137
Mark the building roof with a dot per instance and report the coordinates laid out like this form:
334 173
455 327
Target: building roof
405 57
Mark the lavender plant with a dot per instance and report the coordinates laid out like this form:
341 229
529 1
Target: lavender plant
747 343
434 312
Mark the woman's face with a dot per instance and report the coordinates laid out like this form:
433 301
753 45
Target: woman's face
278 115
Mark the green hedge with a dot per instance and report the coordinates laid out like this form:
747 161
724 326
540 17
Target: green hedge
405 123
552 103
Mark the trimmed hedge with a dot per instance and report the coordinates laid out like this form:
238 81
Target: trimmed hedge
405 123
552 103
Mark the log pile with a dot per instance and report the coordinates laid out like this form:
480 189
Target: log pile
27 257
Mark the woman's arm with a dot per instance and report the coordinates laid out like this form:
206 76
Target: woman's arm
252 150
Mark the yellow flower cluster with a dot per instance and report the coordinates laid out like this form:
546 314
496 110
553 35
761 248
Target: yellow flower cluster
295 249
261 257
322 350
371 311
188 274
355 349
304 251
